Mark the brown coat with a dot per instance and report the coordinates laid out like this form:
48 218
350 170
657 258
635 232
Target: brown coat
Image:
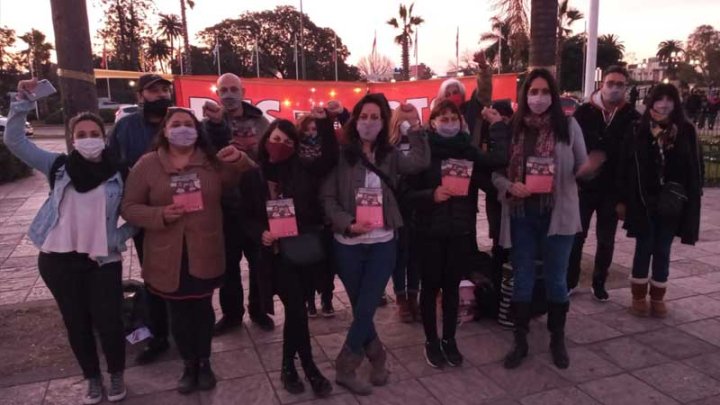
148 191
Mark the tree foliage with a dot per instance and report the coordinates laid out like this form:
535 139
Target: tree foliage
406 23
125 26
375 67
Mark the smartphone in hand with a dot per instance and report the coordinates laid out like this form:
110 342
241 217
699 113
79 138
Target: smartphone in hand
44 89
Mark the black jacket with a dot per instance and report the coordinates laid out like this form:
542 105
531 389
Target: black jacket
639 179
606 137
456 216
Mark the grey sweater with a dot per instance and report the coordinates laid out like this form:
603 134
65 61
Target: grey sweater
565 217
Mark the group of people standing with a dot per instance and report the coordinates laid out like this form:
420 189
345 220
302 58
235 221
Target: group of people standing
543 175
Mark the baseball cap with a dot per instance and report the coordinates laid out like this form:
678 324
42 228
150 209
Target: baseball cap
149 79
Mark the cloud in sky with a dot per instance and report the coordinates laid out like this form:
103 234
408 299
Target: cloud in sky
640 24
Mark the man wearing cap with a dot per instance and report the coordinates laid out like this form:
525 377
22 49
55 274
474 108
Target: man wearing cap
132 137
238 123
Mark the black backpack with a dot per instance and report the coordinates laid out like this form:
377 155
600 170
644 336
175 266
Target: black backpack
134 307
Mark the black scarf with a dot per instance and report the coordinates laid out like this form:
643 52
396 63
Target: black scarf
86 175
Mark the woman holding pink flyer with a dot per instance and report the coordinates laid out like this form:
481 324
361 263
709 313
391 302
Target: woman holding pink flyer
541 212
291 243
365 233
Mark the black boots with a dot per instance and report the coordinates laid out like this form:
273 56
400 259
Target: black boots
290 378
197 375
521 312
320 385
557 316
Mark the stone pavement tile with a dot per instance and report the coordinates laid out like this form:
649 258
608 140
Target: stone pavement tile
18 272
412 358
11 239
707 401
691 267
340 323
585 304
285 397
679 381
675 343
583 330
236 363
12 297
629 354
708 363
472 328
462 387
399 334
252 390
271 355
560 396
627 323
155 377
25 251
28 394
12 229
707 330
484 349
15 262
14 284
164 398
531 377
237 339
65 391
331 344
342 399
585 365
697 284
260 336
625 389
691 309
39 293
403 393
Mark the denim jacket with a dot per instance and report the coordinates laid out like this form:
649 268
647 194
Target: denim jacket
48 215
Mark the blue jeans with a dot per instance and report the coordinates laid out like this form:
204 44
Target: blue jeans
406 276
655 243
530 241
364 271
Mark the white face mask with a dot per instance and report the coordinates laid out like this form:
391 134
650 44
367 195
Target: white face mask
369 129
539 103
89 148
663 107
612 95
447 129
405 127
182 136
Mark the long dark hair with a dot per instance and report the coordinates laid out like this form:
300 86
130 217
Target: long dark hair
202 142
286 127
558 119
381 146
677 116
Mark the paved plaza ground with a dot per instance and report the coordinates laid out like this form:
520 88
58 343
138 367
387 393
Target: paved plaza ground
615 358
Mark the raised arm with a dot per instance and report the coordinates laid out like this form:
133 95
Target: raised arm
418 159
20 145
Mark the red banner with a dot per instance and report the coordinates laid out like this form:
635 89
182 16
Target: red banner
290 99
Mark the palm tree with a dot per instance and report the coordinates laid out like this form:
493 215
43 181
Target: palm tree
669 52
158 51
406 23
566 17
186 60
499 50
171 27
543 33
515 12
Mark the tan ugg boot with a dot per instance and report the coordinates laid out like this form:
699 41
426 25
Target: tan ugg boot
639 288
377 356
657 299
346 364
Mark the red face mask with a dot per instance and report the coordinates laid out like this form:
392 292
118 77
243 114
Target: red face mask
456 99
279 152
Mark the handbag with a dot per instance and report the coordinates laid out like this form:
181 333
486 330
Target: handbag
672 199
303 250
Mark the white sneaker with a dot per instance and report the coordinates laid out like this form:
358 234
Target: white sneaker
94 391
117 391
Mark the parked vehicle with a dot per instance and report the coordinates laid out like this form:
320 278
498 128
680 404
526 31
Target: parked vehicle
29 130
569 105
125 109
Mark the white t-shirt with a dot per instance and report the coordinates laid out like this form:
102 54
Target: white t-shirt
380 235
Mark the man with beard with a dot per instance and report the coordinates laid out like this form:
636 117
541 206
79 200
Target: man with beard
132 137
238 123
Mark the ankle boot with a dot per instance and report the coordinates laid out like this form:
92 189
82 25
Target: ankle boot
557 316
290 378
521 312
403 308
377 356
413 306
639 289
189 380
657 299
346 364
206 377
320 385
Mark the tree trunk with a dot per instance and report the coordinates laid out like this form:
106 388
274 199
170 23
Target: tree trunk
558 59
186 40
406 59
543 34
74 56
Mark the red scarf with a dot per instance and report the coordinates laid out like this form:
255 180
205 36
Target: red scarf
544 147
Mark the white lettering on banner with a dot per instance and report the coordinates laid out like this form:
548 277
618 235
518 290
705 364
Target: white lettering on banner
394 104
197 103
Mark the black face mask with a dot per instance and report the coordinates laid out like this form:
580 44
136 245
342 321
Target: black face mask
157 108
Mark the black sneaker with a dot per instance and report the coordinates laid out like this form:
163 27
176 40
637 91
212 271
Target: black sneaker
264 322
599 292
451 352
434 354
312 310
327 310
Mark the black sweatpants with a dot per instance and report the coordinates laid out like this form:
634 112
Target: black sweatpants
323 274
292 282
193 320
156 306
444 262
604 208
90 298
231 292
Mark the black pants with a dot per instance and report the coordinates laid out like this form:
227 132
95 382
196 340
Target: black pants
323 274
90 298
156 306
292 282
500 255
594 202
443 265
192 326
231 293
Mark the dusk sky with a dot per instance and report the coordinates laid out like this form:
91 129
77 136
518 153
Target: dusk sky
640 24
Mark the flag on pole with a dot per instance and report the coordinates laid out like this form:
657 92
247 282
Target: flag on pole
374 48
104 57
216 51
457 44
416 45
